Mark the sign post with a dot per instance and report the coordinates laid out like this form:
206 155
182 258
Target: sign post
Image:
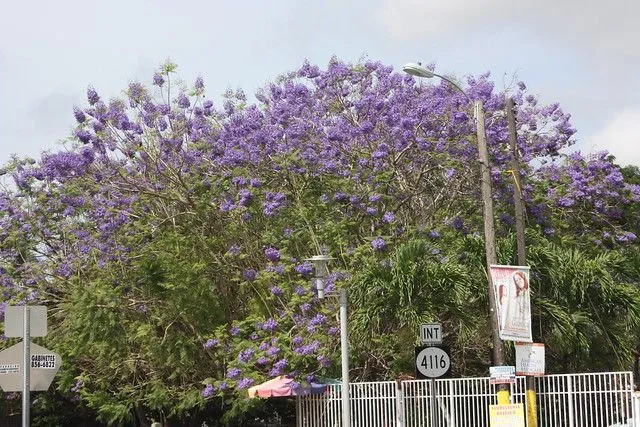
431 361
26 390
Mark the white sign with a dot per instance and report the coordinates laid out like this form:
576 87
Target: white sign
530 359
14 320
431 333
502 374
41 372
432 362
513 301
11 368
506 415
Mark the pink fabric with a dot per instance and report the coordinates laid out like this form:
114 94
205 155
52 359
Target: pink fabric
275 387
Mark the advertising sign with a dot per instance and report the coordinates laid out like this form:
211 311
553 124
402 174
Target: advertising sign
502 374
529 358
506 415
511 287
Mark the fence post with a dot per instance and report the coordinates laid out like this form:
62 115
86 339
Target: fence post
399 404
570 400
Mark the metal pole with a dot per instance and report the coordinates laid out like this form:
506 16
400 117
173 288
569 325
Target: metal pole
434 418
344 345
26 366
489 243
399 405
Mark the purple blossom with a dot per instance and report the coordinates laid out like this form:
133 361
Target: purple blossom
273 350
250 274
158 80
307 349
341 196
269 325
92 96
233 373
276 290
183 101
318 319
565 202
305 307
324 361
272 254
79 115
372 211
626 237
300 291
234 250
246 355
208 391
211 342
245 383
305 270
83 135
262 360
273 203
434 234
245 197
333 330
281 364
378 244
388 217
199 84
78 386
235 330
458 224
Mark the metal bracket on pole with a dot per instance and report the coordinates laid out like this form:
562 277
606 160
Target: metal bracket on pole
344 344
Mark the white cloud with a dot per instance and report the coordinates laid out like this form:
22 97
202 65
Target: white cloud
596 29
620 136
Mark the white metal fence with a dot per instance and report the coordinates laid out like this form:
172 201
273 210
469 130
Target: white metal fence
573 400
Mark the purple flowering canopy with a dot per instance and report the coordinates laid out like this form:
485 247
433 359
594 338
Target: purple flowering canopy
171 233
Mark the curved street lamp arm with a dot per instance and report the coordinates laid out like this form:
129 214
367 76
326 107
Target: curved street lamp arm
452 83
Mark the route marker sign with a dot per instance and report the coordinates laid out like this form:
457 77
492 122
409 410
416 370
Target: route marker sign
432 362
431 333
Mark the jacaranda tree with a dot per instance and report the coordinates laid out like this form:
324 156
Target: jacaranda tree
169 238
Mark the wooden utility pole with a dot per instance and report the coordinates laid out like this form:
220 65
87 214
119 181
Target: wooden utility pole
489 243
517 186
518 203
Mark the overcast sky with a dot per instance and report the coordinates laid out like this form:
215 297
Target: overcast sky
581 53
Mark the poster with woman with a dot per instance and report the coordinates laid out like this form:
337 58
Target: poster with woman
511 287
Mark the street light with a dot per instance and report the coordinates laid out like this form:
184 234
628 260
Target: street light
320 263
416 69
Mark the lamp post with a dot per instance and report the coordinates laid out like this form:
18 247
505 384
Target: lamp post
416 69
320 263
